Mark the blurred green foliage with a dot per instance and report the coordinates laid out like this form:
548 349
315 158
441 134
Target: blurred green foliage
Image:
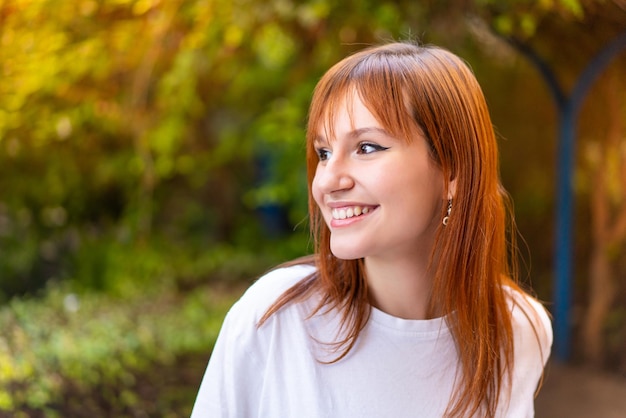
106 339
55 351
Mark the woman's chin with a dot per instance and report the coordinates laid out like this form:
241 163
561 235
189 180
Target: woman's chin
343 253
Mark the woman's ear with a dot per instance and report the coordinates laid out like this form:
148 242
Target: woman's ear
451 189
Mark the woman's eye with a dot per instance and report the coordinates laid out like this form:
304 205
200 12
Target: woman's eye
368 148
323 154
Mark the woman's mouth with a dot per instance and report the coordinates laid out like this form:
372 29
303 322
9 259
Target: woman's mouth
350 212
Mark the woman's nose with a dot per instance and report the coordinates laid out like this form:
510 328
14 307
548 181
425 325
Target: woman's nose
335 175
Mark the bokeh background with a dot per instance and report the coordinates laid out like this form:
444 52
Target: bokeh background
152 165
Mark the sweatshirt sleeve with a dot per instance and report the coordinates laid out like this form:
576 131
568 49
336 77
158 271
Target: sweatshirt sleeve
232 381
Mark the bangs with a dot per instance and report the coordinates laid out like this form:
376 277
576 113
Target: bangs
380 83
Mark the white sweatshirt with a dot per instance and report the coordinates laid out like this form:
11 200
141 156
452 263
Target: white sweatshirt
398 367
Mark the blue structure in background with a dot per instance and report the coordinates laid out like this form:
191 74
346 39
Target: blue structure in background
568 109
273 216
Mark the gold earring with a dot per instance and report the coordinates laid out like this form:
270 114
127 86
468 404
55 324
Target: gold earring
447 217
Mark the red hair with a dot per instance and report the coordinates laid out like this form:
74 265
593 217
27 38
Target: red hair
414 89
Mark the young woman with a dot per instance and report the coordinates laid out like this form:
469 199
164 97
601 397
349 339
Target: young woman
409 307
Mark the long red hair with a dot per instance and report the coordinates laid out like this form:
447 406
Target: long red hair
413 89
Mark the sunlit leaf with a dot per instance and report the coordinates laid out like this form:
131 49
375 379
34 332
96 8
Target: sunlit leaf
573 6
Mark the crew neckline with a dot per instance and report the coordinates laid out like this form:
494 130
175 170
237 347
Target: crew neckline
436 326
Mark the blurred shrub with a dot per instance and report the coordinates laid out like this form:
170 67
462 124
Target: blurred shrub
125 268
73 343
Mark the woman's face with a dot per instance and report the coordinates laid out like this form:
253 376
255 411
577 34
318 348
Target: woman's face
380 196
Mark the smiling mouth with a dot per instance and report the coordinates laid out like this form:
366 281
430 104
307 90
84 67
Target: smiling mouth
350 212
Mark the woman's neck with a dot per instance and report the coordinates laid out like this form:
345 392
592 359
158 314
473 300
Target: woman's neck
400 287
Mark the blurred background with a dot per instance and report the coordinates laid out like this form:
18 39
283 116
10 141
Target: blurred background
152 166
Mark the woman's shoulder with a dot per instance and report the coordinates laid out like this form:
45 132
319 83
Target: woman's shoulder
530 320
522 304
273 283
258 298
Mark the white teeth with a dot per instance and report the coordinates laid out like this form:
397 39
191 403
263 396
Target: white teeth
349 212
